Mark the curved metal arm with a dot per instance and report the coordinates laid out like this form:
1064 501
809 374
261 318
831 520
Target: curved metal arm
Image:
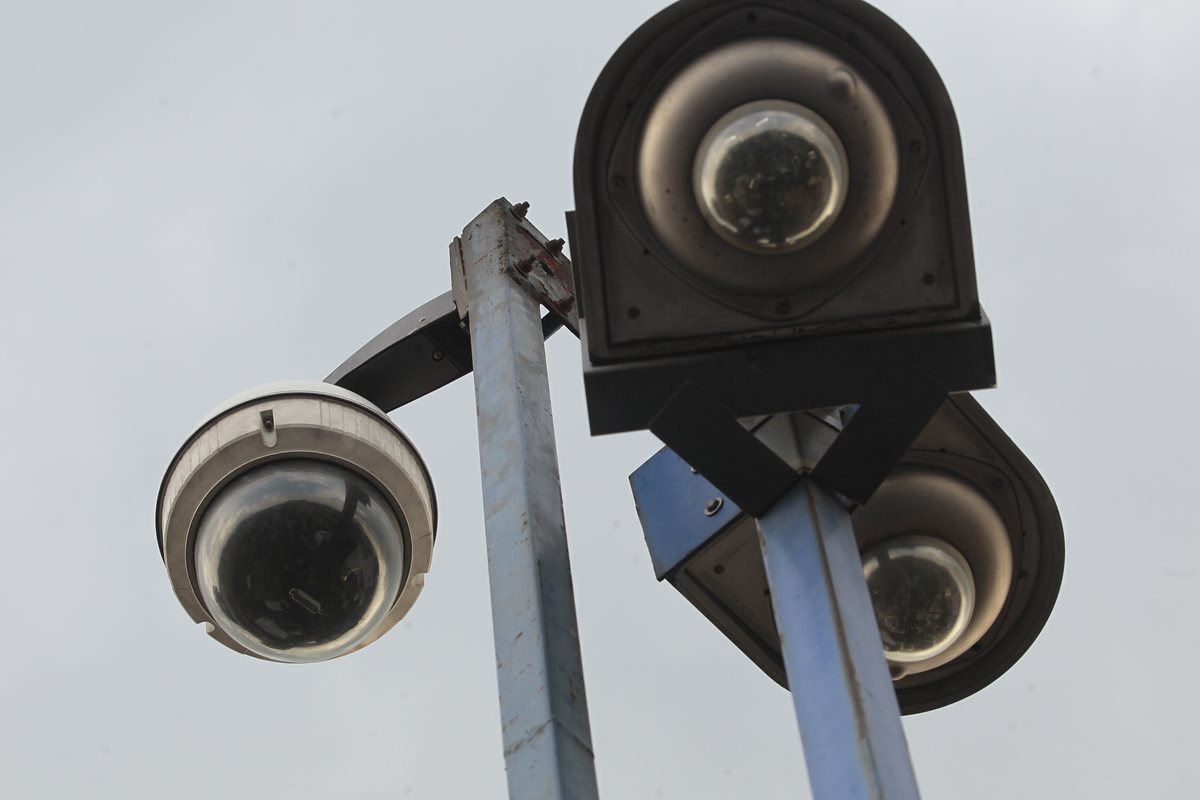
420 353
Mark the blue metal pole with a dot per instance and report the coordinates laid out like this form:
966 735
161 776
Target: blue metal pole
849 719
544 717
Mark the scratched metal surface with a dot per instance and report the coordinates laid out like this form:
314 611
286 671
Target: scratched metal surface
543 708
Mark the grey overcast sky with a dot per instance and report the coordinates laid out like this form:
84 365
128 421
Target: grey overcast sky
199 197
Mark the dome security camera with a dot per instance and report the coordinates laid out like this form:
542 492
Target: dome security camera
297 522
962 551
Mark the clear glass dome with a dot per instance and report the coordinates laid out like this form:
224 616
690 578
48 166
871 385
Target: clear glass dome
299 560
771 177
923 593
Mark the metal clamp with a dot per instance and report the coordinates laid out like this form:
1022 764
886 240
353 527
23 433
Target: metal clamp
536 263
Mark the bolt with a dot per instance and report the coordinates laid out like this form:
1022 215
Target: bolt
268 422
713 506
841 83
438 355
555 245
525 265
520 210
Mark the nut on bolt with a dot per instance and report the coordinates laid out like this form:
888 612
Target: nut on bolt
555 245
520 210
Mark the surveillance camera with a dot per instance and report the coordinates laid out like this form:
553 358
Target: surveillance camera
767 192
962 550
297 522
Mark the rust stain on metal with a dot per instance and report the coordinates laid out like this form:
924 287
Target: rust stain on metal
553 282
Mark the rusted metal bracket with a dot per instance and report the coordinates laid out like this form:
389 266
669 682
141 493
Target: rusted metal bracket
535 263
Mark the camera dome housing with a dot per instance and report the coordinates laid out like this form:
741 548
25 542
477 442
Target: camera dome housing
297 522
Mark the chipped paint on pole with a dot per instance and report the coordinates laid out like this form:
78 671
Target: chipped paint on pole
543 707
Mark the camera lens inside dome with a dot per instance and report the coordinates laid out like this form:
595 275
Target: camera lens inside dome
771 177
923 593
299 560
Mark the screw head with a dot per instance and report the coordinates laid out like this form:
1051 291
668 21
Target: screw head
713 506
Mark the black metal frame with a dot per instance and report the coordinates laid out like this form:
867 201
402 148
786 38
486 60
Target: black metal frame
897 378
